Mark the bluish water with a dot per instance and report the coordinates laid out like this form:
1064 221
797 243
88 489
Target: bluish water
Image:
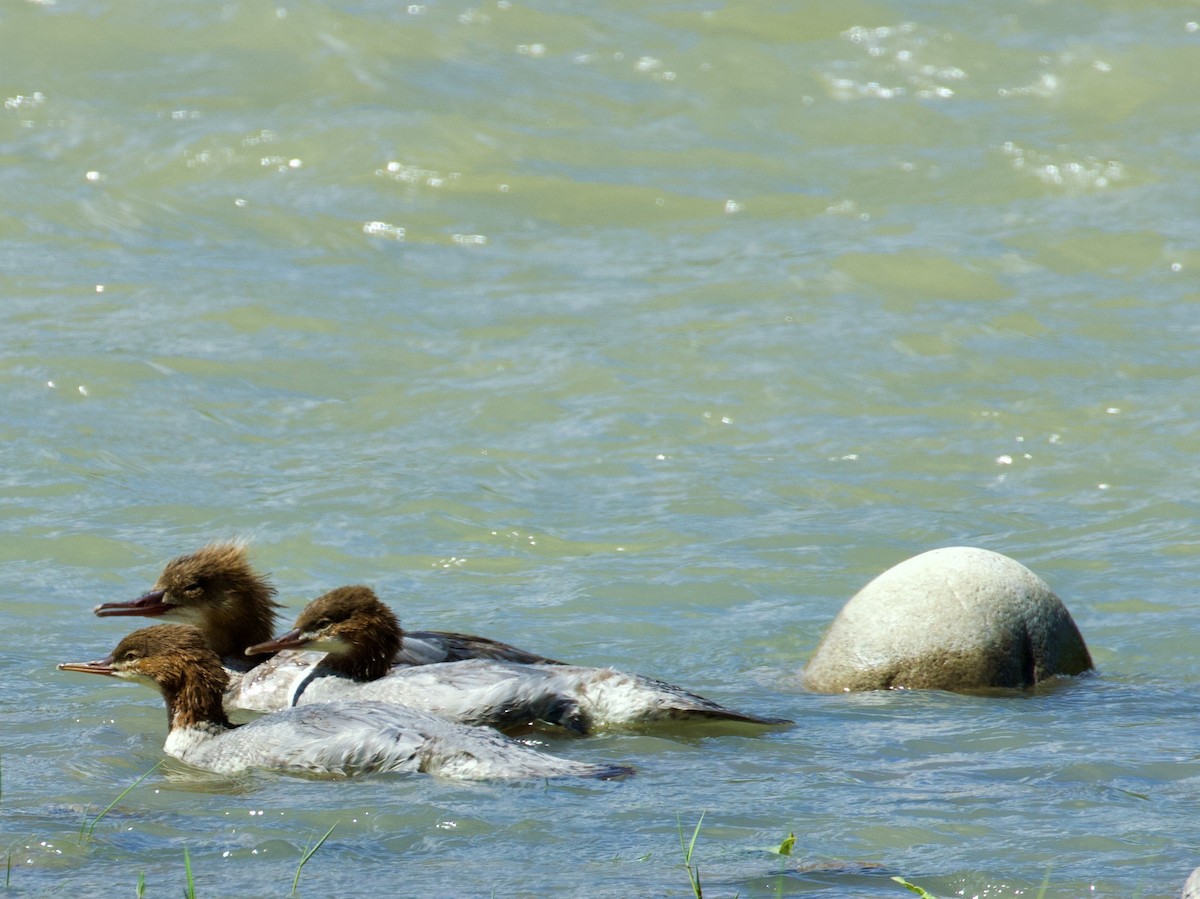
640 337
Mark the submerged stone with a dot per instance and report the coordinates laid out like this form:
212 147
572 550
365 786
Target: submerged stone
959 618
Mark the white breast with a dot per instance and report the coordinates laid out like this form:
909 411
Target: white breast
271 685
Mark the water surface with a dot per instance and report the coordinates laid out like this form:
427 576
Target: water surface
640 337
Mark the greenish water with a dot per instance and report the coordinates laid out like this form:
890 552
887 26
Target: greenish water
634 335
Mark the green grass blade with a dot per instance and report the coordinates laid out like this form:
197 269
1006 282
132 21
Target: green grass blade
1045 885
693 871
83 824
789 842
687 853
914 888
109 807
190 892
309 853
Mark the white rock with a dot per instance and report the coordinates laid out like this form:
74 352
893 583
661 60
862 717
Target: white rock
1191 889
958 618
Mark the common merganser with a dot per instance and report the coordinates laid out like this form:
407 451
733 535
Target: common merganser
217 590
336 739
362 636
354 639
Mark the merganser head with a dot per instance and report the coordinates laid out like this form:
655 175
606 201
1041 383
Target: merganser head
360 634
214 589
175 660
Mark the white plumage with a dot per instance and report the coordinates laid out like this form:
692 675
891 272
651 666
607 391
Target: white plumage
336 739
349 738
363 637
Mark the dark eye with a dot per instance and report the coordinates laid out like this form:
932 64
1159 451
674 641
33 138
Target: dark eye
193 587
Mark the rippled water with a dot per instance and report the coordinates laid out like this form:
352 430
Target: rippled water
642 337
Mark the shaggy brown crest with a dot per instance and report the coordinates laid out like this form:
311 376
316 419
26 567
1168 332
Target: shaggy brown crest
361 635
176 658
215 589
